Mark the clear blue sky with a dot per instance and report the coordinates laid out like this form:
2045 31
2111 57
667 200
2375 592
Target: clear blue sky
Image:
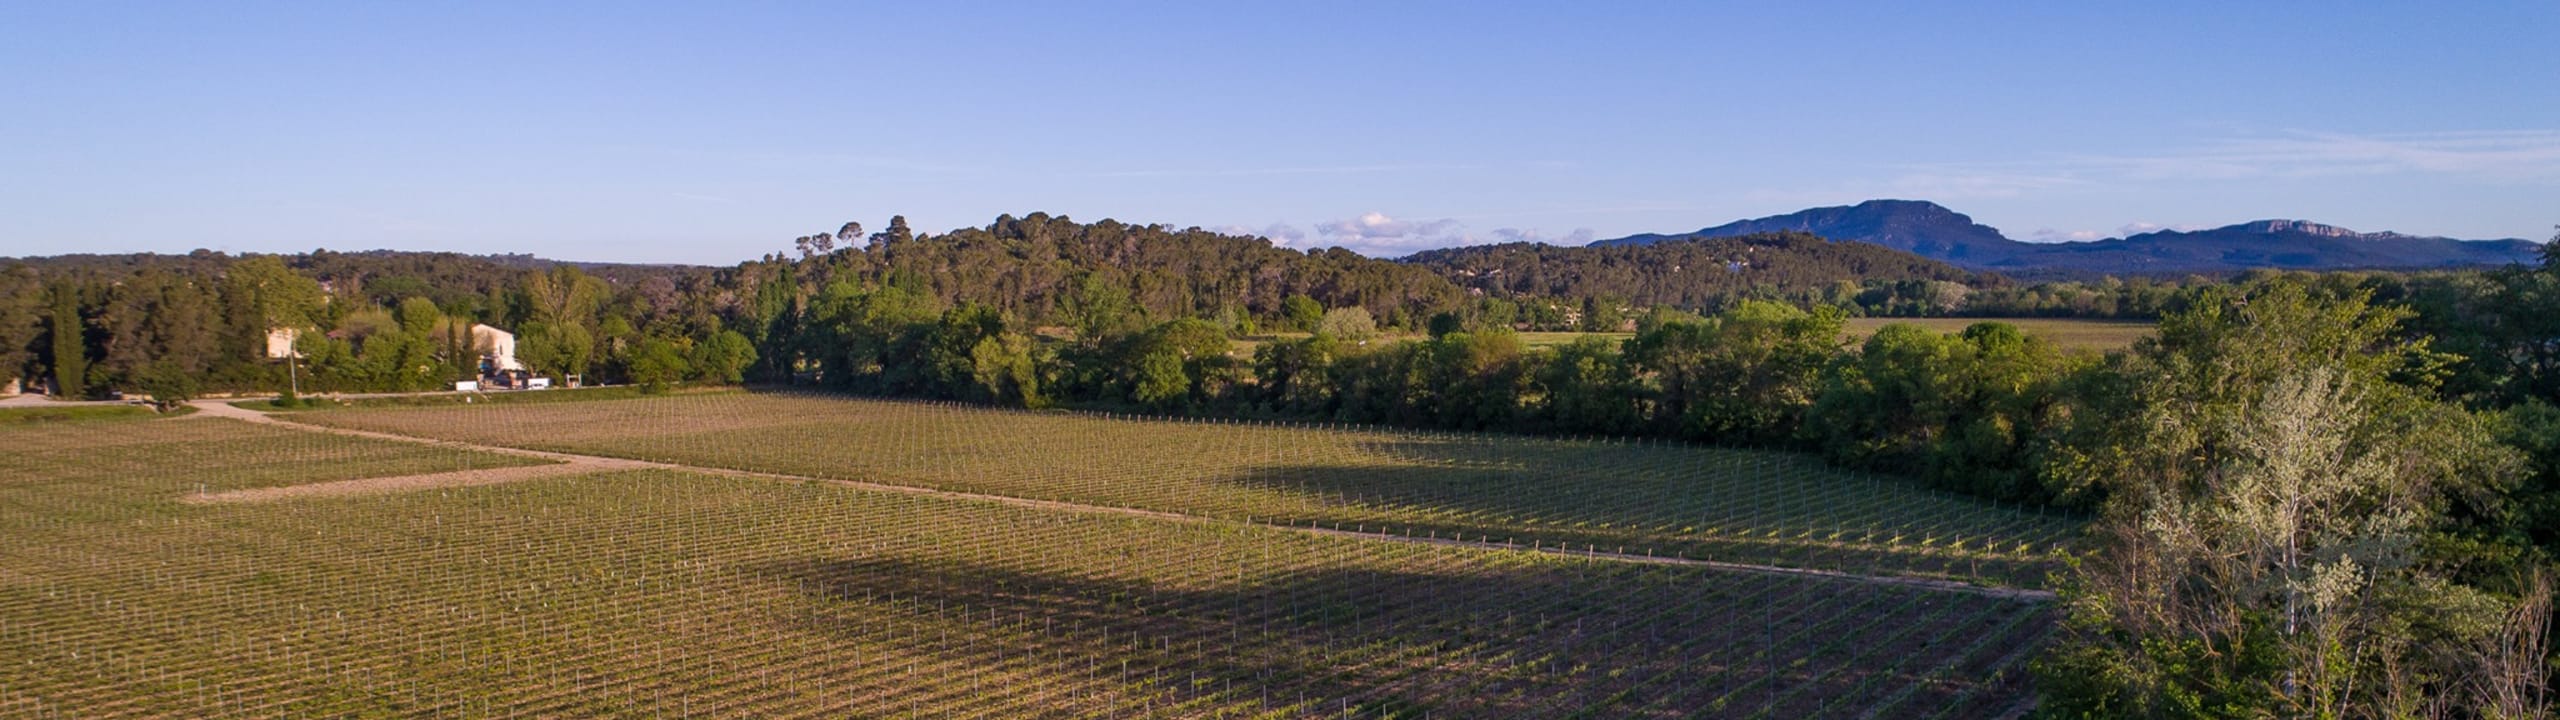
715 132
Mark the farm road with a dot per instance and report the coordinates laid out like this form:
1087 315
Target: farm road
573 463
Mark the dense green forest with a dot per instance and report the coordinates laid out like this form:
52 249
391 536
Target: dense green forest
2311 494
392 321
1710 273
175 326
1036 266
389 321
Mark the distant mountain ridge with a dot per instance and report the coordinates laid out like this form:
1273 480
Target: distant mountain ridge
1933 231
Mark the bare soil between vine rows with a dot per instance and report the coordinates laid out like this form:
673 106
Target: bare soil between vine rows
572 463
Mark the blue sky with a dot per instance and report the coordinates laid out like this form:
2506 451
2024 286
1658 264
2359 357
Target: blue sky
713 133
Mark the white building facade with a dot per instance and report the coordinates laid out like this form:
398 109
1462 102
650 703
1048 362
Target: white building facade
498 346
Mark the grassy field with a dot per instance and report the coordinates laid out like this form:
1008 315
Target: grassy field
1672 500
671 594
74 413
2068 333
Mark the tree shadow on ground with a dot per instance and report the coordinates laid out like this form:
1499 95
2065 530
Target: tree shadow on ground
1541 639
1784 510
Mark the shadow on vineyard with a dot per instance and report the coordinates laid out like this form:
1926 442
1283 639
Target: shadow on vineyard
1587 499
1545 639
1671 499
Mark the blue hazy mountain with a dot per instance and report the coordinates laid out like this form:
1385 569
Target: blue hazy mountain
1933 231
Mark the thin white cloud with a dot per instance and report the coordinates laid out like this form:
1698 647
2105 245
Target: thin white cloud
1280 234
1375 234
2494 156
1250 172
2490 154
2138 227
2050 235
1958 185
1940 183
1374 225
797 159
2498 155
1579 236
1286 235
1283 170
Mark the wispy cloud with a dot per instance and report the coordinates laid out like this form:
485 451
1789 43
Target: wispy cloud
779 158
1566 209
2138 227
1285 234
2050 235
1375 234
1579 236
1378 234
1250 172
1930 182
2491 154
386 222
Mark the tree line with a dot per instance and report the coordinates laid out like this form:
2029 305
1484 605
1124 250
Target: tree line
177 326
1705 274
191 323
2311 495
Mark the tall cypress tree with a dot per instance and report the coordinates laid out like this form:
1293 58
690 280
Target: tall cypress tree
70 344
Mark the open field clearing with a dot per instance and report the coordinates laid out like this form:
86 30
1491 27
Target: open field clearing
655 593
1670 500
2066 333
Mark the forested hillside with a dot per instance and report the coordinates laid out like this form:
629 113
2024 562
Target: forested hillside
1034 267
387 321
1708 273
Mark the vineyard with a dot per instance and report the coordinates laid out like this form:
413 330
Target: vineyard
1767 508
670 593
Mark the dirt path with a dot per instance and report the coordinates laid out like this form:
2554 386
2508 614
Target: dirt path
592 463
560 464
572 463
